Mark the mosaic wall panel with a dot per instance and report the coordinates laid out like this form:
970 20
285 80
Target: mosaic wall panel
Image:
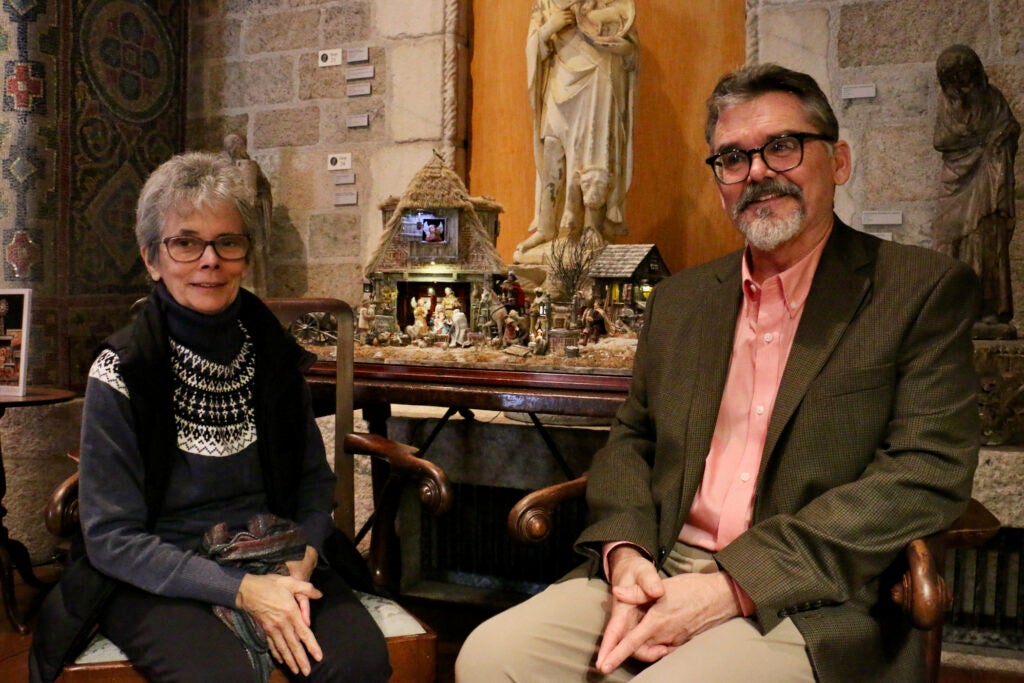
125 116
121 100
28 137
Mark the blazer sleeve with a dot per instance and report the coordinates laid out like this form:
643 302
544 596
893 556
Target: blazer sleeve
619 491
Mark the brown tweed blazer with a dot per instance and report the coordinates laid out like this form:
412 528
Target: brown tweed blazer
873 441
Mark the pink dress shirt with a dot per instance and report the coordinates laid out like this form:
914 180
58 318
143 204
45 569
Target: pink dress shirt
765 327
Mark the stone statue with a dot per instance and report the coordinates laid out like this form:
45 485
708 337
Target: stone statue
262 201
581 68
977 135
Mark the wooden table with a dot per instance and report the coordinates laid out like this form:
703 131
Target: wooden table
13 554
379 385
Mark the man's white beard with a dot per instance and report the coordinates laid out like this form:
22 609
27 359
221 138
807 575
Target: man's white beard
766 231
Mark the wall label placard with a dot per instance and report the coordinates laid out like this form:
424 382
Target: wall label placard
358 73
357 120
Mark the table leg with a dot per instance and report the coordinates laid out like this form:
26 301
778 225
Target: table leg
13 555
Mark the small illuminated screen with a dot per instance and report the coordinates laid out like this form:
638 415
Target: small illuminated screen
424 227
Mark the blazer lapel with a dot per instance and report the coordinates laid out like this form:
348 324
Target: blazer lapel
841 285
722 298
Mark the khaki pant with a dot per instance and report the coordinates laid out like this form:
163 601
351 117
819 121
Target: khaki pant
554 636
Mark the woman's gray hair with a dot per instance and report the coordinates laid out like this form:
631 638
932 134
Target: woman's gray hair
186 182
747 83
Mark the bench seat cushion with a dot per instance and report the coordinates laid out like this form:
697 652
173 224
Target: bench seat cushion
393 620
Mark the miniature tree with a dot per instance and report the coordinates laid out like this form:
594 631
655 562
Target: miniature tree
571 261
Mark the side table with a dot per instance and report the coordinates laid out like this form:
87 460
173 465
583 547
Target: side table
13 554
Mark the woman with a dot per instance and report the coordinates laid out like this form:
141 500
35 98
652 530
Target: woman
198 414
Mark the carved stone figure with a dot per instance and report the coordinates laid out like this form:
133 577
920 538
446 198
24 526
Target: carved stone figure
977 135
263 204
581 69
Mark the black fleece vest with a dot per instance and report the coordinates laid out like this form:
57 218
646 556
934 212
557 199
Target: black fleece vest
143 351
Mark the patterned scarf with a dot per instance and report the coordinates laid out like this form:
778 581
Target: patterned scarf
263 548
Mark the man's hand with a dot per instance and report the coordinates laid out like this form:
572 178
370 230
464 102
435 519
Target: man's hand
691 604
273 601
635 585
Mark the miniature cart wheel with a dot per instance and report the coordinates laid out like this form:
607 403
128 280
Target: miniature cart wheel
315 328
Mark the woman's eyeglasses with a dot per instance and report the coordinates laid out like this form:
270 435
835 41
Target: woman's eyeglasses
185 248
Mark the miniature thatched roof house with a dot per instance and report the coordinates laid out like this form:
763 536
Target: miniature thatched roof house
435 237
438 194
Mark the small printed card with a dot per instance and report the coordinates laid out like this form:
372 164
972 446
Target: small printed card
15 318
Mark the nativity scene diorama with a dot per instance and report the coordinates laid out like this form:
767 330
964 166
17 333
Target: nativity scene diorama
436 291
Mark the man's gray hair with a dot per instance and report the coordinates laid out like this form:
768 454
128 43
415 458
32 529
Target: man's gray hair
184 183
751 82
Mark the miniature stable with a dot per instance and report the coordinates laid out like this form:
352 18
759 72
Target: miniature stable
438 293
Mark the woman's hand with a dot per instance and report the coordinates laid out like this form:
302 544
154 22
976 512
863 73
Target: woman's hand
302 570
273 601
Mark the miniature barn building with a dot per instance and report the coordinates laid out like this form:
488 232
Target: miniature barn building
624 275
435 237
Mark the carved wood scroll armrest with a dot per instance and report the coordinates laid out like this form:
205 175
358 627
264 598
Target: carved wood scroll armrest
435 491
922 592
61 511
529 520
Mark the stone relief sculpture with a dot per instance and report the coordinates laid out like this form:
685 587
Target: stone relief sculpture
262 200
977 135
581 68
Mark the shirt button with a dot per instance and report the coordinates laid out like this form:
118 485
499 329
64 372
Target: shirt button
745 476
759 410
768 337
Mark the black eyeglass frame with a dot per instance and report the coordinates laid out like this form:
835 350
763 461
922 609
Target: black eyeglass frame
799 137
207 243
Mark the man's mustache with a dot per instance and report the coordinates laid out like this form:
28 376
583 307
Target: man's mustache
769 186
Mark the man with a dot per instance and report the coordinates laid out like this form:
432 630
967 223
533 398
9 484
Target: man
799 411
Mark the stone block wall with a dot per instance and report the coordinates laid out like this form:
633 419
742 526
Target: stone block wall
893 44
253 70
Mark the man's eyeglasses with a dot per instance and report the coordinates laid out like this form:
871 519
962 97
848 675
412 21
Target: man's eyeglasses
185 248
780 154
